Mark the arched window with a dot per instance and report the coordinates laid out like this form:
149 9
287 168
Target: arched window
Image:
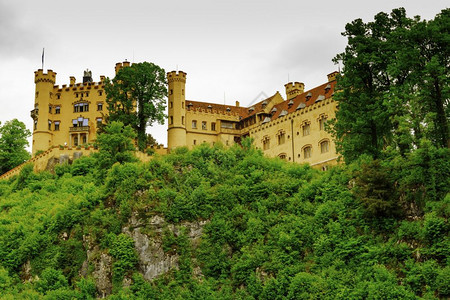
322 121
324 146
266 142
282 156
281 137
306 127
307 151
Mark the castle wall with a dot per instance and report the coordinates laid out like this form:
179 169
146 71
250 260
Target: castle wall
58 107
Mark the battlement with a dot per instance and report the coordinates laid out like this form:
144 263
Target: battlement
332 76
121 65
294 89
176 76
40 76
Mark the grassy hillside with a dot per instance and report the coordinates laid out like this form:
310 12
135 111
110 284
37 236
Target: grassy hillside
266 229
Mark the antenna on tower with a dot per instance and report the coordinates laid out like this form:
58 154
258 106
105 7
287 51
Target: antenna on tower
43 49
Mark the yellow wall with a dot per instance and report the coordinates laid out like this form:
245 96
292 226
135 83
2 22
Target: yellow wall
50 96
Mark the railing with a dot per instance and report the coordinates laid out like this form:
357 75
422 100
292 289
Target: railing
79 128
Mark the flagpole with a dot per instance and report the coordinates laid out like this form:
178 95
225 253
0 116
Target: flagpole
43 49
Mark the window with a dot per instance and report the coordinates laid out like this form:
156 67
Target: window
194 124
80 122
171 104
182 92
282 156
100 106
49 109
195 142
75 141
182 104
213 126
281 137
306 127
322 122
171 120
84 139
35 124
204 125
76 95
56 125
80 107
266 143
307 152
58 96
171 92
99 122
226 124
182 120
324 146
49 125
100 93
57 110
87 95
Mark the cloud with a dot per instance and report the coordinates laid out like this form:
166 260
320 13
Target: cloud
18 36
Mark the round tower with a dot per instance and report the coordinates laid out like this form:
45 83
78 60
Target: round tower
176 132
42 136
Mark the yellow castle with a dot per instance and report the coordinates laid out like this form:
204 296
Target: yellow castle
292 128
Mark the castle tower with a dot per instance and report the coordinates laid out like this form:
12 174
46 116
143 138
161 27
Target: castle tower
293 89
176 134
42 136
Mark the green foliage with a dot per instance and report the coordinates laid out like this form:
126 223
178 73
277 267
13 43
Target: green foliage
122 249
13 139
51 280
394 89
136 97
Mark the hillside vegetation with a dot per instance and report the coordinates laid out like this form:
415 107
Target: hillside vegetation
375 229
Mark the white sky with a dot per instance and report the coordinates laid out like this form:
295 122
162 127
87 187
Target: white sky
231 50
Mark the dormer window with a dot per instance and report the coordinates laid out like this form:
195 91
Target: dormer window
291 102
308 96
320 98
273 111
189 106
210 107
327 88
300 106
264 104
251 109
228 109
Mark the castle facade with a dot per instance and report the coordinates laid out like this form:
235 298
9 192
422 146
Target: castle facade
292 128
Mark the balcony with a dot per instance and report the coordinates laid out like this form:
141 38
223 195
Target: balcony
34 113
79 129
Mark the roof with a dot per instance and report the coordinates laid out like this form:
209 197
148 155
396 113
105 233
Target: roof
319 93
309 97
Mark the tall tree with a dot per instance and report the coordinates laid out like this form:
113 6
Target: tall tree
136 97
394 89
13 139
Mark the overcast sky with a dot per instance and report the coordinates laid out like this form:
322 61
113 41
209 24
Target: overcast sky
231 50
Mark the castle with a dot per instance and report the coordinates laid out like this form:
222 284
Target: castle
291 128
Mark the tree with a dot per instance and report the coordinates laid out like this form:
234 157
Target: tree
13 139
394 88
136 97
115 145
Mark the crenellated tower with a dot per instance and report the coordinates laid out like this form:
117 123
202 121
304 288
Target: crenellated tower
42 136
176 132
293 89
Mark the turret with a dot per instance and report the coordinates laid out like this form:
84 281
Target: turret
332 76
42 136
176 134
293 89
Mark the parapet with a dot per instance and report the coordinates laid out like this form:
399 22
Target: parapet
121 65
40 76
332 76
176 76
294 89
